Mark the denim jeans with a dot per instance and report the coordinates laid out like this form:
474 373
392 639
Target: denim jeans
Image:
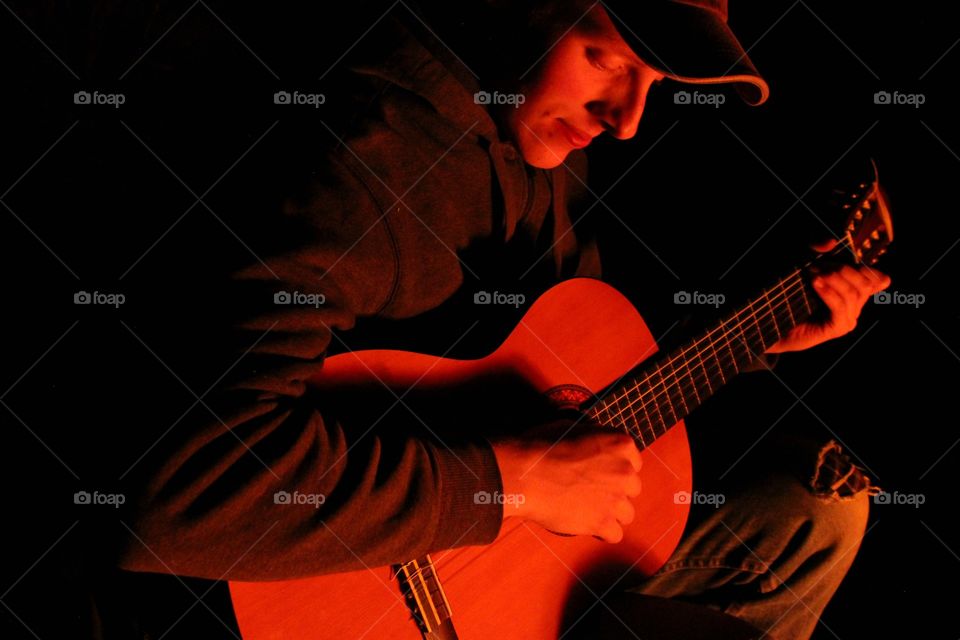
775 551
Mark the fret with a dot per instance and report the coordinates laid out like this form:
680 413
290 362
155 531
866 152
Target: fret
706 374
666 393
773 315
617 419
597 414
806 302
723 378
759 334
643 393
799 307
743 337
793 321
642 405
637 427
733 356
693 380
683 398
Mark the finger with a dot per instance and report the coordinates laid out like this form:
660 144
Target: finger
830 296
858 279
610 531
843 310
878 280
625 512
847 282
633 455
634 487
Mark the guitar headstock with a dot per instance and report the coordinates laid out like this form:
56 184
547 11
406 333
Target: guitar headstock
869 228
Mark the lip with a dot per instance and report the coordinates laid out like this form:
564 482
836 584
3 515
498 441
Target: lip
577 138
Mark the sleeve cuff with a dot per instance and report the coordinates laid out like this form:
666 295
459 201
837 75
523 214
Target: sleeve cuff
471 502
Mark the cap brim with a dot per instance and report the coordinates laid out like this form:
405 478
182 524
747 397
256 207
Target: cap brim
690 44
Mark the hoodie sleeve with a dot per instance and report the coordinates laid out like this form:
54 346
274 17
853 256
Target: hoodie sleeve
259 481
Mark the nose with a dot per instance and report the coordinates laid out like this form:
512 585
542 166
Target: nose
620 113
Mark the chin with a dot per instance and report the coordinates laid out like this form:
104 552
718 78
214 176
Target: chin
541 157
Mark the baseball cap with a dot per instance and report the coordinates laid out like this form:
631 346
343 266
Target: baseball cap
689 41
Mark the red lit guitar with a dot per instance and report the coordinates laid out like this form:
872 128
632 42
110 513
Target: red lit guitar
581 344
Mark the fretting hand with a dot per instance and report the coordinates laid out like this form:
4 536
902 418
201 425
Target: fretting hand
844 292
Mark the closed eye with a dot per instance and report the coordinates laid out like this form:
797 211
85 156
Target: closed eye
601 60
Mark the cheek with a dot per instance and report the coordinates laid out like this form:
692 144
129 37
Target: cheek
560 88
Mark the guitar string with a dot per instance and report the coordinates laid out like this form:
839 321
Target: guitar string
426 591
416 597
675 377
605 404
679 379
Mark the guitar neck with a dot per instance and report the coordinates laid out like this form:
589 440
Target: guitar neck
650 401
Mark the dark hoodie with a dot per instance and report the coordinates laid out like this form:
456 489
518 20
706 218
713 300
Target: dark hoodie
418 205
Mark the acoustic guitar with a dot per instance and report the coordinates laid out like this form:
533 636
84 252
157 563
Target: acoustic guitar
581 345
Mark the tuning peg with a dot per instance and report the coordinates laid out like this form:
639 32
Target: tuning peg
867 244
875 235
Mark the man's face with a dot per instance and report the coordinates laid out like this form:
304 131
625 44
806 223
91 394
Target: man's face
588 83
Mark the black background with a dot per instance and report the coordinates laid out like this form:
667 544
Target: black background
712 206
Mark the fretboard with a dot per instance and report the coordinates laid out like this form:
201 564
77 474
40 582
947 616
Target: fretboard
656 396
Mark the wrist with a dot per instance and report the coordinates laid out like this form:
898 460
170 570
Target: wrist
513 460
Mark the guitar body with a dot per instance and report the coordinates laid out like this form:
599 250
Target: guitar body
580 336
